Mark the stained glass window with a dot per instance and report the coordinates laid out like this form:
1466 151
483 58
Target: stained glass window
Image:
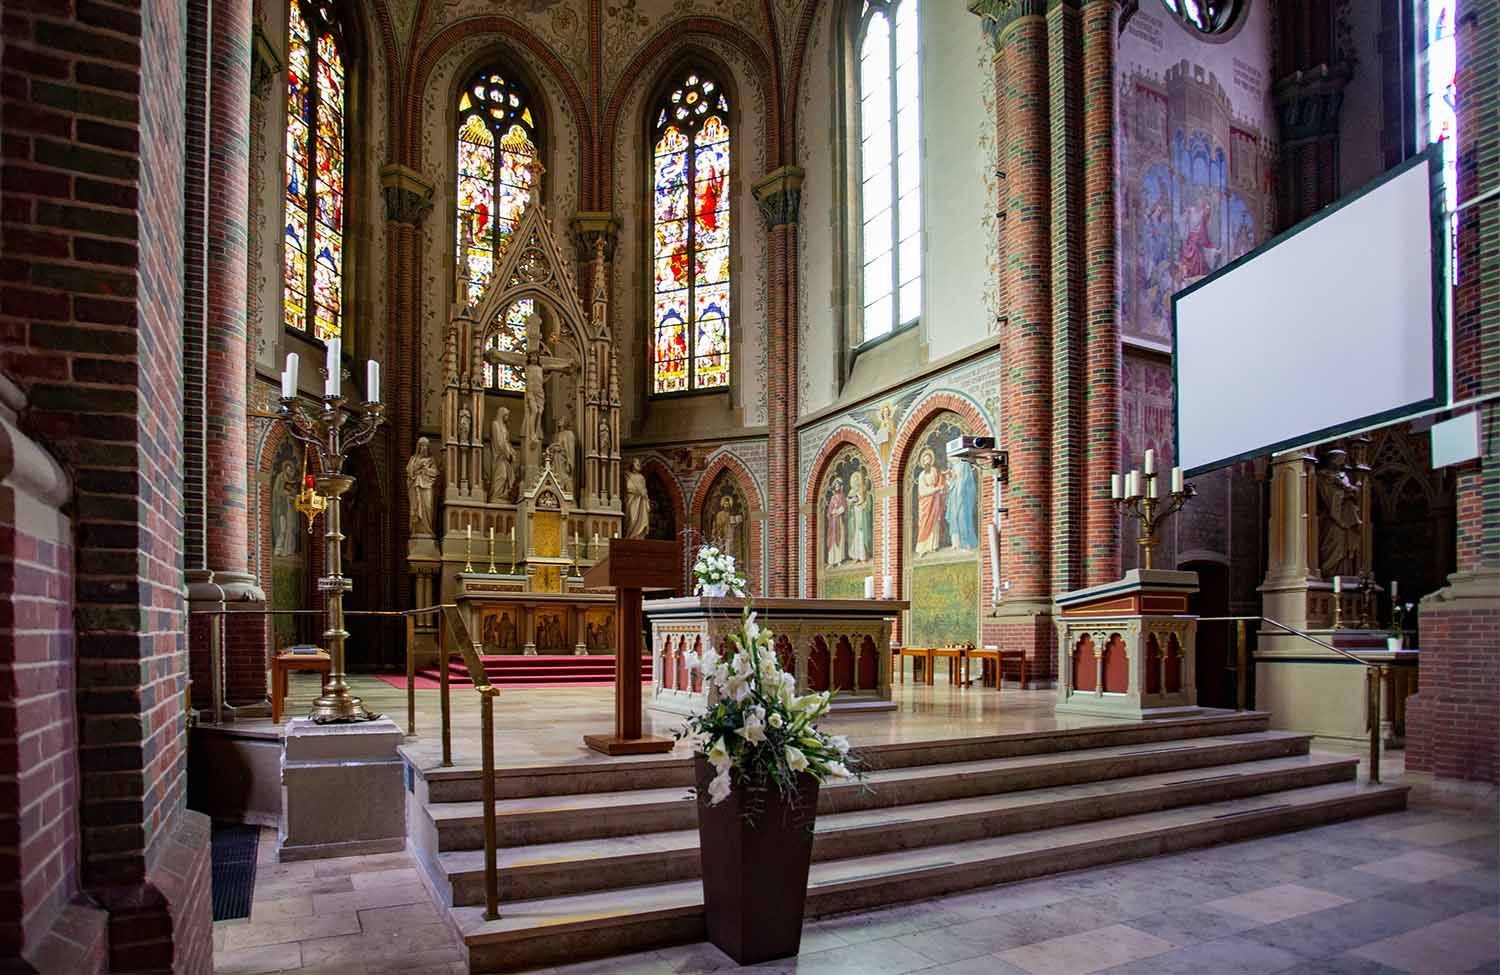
890 166
314 233
497 142
690 221
1442 97
1205 16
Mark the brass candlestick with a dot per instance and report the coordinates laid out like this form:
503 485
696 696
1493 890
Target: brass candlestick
328 431
1137 494
469 550
492 553
1338 604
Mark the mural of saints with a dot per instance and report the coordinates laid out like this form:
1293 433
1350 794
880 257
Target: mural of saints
942 535
724 522
847 521
944 496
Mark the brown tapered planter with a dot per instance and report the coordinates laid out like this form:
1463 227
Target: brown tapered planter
755 869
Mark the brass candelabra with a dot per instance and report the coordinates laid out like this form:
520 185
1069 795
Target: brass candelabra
333 432
1138 494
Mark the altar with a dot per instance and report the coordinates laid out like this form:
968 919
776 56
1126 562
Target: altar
840 645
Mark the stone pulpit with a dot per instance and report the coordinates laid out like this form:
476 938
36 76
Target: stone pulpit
1127 648
843 645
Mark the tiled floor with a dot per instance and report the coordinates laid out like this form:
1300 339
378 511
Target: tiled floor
1417 891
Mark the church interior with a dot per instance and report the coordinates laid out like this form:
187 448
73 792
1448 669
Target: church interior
374 374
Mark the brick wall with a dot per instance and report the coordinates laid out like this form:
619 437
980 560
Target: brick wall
1452 720
91 307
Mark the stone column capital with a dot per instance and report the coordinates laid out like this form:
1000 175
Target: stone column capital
779 194
591 226
998 15
408 194
265 64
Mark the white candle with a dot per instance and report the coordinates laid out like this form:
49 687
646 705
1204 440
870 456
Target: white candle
289 377
1395 590
1133 490
469 532
869 587
1338 585
595 542
1116 489
372 381
890 589
492 533
334 382
1177 487
1153 487
1149 466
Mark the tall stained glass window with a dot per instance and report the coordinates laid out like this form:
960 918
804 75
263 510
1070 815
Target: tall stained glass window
497 143
890 166
1442 98
690 223
314 251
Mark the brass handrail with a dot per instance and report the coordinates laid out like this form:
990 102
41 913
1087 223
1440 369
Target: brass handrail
1376 674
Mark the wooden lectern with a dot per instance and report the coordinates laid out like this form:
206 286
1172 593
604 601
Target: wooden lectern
631 565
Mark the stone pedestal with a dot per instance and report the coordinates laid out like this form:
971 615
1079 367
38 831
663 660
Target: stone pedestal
341 790
1127 648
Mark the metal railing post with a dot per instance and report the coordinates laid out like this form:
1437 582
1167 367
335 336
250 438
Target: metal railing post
487 791
443 690
1372 682
1241 664
411 675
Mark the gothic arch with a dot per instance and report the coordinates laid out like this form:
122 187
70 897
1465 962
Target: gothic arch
652 463
650 54
843 436
725 463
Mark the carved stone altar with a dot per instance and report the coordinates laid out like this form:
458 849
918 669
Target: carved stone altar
842 644
537 469
1128 648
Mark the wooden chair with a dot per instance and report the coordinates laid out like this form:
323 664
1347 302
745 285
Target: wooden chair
284 663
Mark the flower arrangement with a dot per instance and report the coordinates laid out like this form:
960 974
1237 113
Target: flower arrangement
716 574
758 729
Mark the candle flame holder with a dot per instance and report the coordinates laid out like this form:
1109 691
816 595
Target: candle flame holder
1152 512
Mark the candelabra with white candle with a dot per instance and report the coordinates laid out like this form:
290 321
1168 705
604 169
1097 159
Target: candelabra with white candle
1138 494
333 432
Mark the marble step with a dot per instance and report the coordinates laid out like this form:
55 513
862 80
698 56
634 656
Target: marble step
537 933
552 819
462 784
556 869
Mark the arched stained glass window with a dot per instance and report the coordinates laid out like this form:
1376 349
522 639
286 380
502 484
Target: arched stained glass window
314 234
1205 16
690 224
890 166
497 143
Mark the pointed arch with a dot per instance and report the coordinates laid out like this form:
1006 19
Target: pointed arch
856 440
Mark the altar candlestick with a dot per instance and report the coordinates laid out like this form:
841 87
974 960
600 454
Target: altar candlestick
1338 585
372 381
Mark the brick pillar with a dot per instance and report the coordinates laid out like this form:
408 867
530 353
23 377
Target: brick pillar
1025 611
779 193
91 310
1101 521
1452 720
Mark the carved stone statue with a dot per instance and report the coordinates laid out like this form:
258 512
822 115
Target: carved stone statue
1339 524
637 502
421 478
726 525
465 424
502 458
565 449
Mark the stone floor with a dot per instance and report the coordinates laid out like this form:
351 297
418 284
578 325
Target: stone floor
1416 891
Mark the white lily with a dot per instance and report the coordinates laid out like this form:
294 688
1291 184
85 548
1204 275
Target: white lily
718 788
795 760
839 771
754 728
718 755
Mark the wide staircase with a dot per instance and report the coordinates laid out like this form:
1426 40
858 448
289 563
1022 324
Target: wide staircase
541 670
601 859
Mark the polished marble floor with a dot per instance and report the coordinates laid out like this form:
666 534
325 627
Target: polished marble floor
1416 891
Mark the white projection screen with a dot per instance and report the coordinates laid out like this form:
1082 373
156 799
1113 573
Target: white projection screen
1334 325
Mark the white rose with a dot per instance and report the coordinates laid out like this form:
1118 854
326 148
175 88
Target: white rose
777 720
795 760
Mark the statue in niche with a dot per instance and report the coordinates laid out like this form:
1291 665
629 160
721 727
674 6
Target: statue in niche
465 424
421 478
1339 524
727 522
603 436
502 458
637 502
564 448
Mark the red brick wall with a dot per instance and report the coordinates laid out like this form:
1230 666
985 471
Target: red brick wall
1452 720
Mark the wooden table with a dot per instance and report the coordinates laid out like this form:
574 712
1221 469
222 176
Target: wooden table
955 658
996 656
284 663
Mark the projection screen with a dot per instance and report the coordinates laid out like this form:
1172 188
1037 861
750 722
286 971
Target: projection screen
1335 324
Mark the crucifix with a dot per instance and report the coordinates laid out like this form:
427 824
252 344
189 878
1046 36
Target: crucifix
536 362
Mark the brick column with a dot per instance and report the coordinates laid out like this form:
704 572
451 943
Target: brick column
779 193
91 313
1452 720
1025 611
1101 381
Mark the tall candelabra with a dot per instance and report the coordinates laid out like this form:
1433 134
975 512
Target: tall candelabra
1137 493
333 432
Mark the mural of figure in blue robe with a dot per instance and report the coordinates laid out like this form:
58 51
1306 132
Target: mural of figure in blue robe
963 507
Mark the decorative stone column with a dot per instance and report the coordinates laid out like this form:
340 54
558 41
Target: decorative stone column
779 194
594 236
1312 71
1025 612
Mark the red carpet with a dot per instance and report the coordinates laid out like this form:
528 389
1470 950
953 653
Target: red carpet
517 670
